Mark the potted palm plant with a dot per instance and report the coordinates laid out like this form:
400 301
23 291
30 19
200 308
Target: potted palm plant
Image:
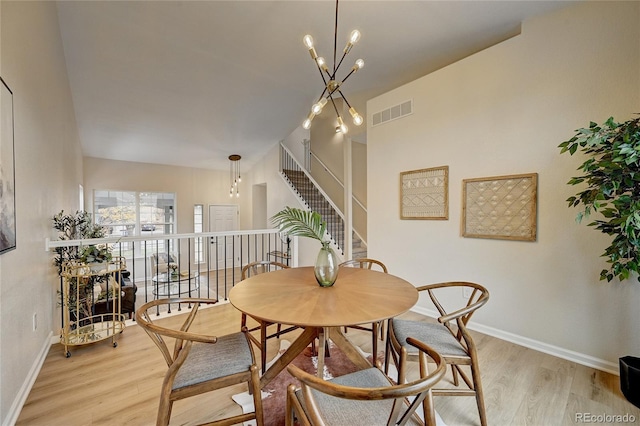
303 223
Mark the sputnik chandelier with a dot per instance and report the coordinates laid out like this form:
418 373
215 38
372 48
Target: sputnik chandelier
234 174
332 86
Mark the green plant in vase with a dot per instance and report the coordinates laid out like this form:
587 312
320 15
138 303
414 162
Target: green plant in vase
303 223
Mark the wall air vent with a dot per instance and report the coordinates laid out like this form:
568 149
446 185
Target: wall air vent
393 113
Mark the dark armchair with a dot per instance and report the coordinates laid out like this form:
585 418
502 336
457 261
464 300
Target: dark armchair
127 297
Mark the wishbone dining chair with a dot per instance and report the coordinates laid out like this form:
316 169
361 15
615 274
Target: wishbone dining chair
366 397
449 337
376 328
200 363
248 270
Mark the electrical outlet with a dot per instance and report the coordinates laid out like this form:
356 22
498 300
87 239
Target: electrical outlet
466 292
35 321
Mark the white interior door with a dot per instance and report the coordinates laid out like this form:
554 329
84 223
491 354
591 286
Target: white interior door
224 218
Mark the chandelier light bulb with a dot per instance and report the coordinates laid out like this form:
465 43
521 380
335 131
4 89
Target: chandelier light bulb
308 41
354 37
341 126
358 65
317 107
237 195
322 63
306 124
357 118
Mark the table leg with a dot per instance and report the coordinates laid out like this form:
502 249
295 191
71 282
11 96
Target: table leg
289 355
323 338
340 340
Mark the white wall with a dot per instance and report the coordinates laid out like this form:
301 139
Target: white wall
294 143
48 170
504 111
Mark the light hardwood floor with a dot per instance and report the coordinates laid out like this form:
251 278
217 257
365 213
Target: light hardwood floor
102 385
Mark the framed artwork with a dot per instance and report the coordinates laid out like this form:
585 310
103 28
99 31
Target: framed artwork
424 193
7 171
501 207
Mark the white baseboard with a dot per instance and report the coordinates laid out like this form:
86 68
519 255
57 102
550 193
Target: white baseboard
577 357
25 389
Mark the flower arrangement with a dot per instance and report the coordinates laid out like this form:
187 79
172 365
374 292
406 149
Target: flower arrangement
173 269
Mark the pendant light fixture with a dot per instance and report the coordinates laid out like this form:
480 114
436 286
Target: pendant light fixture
234 175
331 84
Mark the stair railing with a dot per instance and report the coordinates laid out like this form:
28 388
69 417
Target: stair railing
335 178
312 195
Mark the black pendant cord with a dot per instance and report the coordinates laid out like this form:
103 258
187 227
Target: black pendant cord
340 63
348 75
335 41
322 94
321 74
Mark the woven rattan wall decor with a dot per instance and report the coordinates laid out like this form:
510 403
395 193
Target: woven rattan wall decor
424 193
501 207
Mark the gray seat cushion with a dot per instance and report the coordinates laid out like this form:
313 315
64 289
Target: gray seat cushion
437 336
341 412
206 361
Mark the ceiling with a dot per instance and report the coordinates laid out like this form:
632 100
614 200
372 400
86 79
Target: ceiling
188 83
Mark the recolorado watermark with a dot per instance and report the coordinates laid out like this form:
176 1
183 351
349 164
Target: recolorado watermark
604 418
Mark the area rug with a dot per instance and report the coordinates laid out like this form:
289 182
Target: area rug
274 396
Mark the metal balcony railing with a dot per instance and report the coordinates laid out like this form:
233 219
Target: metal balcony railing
191 265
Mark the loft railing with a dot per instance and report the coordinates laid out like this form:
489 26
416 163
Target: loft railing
208 264
312 196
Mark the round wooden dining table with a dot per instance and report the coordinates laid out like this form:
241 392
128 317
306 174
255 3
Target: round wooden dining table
292 296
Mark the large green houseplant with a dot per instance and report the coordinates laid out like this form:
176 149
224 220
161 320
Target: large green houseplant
611 173
297 222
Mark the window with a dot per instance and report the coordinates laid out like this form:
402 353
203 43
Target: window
128 213
197 228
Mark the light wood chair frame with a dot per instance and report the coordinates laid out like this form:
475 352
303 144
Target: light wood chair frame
252 269
176 358
420 388
479 297
376 328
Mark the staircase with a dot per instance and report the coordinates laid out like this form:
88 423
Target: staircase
316 202
314 199
359 250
